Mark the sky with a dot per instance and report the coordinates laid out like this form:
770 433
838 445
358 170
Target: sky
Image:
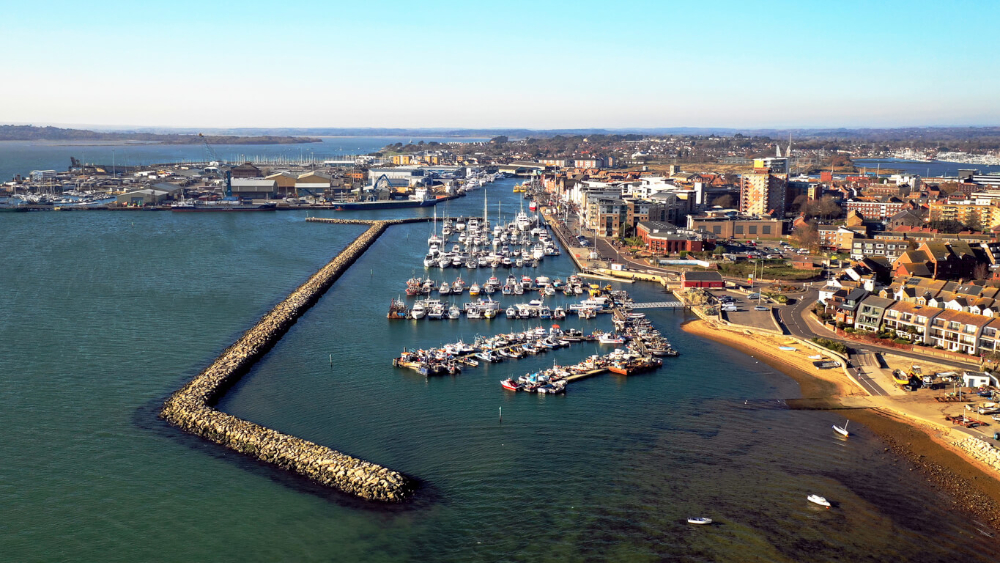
531 64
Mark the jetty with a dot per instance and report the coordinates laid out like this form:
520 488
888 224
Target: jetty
192 407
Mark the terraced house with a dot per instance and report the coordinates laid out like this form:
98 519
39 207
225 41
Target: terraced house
870 313
957 331
909 320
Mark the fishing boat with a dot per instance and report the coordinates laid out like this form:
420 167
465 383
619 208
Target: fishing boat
397 309
559 313
511 313
816 499
700 520
842 430
445 289
454 312
474 289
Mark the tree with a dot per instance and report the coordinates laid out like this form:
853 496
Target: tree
807 235
981 271
801 201
723 201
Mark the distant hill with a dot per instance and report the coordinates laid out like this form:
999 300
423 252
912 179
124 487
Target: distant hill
855 134
32 133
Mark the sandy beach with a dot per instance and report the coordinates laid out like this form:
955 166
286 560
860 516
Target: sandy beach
974 487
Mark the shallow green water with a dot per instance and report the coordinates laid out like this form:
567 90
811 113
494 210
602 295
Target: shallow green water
104 314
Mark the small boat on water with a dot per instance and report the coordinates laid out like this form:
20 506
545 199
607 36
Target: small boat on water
610 338
700 520
510 385
842 430
816 499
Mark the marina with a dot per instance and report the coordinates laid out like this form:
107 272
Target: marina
679 424
512 243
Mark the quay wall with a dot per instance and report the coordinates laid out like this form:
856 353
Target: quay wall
191 407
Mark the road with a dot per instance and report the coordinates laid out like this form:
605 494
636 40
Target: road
795 318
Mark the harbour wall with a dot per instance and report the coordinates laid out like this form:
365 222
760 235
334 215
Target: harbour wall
191 408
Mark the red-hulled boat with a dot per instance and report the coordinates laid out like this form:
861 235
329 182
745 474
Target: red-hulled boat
510 385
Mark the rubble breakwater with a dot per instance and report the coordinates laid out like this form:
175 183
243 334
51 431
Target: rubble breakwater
191 408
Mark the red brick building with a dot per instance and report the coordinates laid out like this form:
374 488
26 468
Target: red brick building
708 280
665 238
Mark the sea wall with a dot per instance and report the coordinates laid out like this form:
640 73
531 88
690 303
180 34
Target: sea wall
191 407
982 451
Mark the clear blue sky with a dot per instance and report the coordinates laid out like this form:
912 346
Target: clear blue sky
500 64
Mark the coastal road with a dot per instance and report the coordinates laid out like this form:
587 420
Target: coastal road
797 320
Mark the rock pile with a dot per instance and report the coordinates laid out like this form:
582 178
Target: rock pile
190 408
981 450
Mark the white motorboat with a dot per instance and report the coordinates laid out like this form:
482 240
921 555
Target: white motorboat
454 312
511 313
816 499
445 289
418 311
700 520
842 430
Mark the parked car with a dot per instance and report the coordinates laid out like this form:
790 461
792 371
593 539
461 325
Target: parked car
761 308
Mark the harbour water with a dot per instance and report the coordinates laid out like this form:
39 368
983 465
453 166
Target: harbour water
933 169
21 157
102 315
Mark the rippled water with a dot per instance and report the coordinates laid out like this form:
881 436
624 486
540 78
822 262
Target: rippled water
103 314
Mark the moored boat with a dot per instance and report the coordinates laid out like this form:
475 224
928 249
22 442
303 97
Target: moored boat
816 499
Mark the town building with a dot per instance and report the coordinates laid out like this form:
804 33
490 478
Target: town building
956 331
665 238
707 280
284 182
873 209
909 320
869 316
890 249
735 227
254 188
762 193
246 170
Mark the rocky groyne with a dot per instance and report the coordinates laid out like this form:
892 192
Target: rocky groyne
191 407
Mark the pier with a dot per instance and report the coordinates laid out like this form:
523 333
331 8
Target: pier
191 408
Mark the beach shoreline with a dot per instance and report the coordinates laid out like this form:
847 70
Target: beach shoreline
974 487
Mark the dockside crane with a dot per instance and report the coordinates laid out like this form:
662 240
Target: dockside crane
216 162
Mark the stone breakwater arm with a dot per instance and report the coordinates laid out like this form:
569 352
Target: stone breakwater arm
191 407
